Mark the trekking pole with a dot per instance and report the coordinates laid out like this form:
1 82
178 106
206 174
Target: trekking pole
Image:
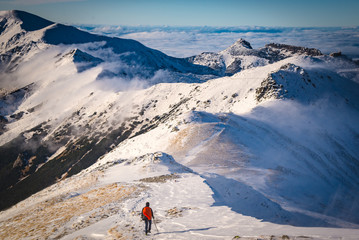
154 221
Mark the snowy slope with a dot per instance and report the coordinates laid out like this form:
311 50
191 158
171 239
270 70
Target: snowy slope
271 147
246 146
105 203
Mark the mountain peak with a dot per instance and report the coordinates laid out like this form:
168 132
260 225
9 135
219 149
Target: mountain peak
29 22
242 43
240 47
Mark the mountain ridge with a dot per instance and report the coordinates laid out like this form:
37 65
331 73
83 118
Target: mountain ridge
55 34
241 55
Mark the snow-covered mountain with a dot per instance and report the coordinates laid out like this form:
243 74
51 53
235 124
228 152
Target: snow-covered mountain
241 56
97 126
24 34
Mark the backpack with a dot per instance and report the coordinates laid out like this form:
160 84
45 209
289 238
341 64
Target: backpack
143 217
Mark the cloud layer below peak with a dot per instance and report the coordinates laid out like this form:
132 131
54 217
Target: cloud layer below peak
188 41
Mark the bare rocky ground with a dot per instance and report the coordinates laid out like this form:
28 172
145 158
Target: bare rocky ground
54 217
83 203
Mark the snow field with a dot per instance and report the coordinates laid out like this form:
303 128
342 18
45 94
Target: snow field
109 208
184 208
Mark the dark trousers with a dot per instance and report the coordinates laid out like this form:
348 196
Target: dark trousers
148 225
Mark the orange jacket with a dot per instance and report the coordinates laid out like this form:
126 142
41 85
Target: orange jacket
147 211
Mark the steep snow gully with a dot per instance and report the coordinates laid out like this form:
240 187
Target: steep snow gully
245 143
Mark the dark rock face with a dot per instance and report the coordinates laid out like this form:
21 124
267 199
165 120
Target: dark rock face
2 25
269 88
336 54
234 67
3 122
245 44
295 49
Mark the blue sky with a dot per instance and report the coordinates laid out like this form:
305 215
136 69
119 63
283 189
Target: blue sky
288 13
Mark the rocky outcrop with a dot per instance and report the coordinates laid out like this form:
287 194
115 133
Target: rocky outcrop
269 89
336 54
294 49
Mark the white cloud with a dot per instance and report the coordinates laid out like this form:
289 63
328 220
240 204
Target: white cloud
188 41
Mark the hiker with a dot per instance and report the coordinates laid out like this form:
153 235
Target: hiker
147 215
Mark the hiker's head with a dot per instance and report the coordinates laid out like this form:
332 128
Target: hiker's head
147 204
